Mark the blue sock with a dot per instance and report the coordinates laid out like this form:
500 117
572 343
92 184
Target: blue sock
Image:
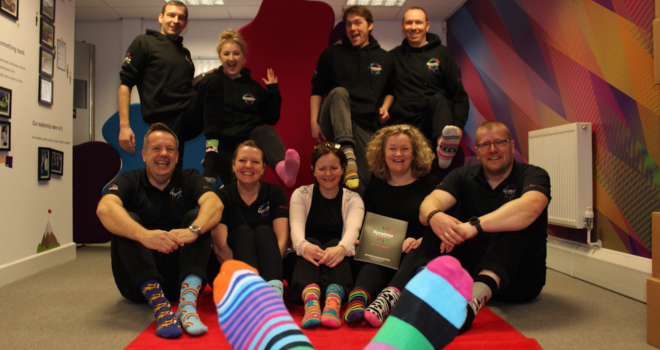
166 324
278 286
187 312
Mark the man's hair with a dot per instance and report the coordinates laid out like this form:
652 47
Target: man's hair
175 3
359 10
489 126
231 36
415 8
159 127
422 154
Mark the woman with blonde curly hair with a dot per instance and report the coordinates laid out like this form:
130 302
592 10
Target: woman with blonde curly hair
400 158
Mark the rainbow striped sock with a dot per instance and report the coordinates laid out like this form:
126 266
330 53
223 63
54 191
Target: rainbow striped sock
333 297
187 312
357 301
311 295
251 314
351 179
431 309
166 324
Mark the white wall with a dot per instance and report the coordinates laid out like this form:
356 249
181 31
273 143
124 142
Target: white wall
24 201
200 37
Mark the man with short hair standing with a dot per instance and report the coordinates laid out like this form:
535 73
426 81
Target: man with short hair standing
160 246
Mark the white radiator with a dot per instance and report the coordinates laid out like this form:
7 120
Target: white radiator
565 153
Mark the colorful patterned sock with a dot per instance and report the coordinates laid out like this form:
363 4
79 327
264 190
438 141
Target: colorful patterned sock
211 161
166 324
311 295
350 174
278 286
482 291
382 306
187 312
250 313
287 169
447 146
333 297
431 309
357 301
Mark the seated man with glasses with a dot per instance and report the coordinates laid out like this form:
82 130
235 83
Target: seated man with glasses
500 234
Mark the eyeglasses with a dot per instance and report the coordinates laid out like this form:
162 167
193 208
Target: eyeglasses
498 144
328 145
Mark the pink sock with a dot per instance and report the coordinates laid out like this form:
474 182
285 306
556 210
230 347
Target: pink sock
287 169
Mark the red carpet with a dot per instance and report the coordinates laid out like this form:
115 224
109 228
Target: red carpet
488 331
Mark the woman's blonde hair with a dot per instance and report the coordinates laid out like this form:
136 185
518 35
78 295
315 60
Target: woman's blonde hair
228 36
422 154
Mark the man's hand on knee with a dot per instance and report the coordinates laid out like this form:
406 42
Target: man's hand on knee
185 235
447 229
162 241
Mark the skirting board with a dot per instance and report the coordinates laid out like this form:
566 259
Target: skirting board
619 272
32 264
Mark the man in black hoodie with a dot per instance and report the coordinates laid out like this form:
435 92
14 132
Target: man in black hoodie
162 69
355 78
428 90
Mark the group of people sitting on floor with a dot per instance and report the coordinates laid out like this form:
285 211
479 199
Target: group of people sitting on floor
379 120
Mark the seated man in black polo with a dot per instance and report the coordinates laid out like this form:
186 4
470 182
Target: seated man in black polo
159 240
500 234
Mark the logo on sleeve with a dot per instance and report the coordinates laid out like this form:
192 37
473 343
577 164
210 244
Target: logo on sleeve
249 99
433 64
113 187
509 192
264 210
375 68
127 60
176 194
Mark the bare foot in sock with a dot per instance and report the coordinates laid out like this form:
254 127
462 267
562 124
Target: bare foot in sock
287 169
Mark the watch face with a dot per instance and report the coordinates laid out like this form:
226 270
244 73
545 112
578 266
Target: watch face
474 220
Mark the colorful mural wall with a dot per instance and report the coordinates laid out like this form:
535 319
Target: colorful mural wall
534 64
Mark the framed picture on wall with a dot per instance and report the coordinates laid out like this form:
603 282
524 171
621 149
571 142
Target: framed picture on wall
5 102
43 164
48 9
46 62
47 33
56 162
9 8
45 90
5 136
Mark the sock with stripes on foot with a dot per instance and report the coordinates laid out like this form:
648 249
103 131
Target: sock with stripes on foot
333 297
166 324
350 174
357 301
251 314
448 146
311 295
377 312
431 309
187 312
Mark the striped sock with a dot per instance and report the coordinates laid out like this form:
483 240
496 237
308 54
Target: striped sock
350 174
311 295
357 301
447 146
333 297
431 310
187 312
278 286
166 324
377 312
250 313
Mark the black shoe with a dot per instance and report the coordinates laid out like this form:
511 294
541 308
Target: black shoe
210 163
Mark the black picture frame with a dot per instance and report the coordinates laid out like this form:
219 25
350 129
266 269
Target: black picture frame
43 164
5 136
46 62
45 90
56 162
9 8
48 9
46 33
5 102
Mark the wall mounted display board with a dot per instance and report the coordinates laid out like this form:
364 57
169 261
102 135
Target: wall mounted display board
5 136
56 162
47 33
45 90
9 8
5 102
43 162
46 62
48 9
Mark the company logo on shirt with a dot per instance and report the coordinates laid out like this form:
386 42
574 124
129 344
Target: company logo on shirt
383 234
509 192
113 187
375 68
249 99
264 209
127 59
176 193
433 64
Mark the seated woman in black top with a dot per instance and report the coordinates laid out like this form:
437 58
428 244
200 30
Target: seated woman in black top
400 158
255 223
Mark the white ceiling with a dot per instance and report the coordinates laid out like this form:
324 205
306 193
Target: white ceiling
99 10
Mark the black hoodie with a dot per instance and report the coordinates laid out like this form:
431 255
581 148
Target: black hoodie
366 72
422 72
163 72
232 108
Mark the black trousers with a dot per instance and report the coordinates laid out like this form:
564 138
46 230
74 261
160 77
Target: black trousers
133 263
255 247
305 273
374 278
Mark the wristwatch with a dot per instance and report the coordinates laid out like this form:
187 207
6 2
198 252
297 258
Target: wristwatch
195 229
474 221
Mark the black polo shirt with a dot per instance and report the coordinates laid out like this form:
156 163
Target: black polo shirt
159 210
470 187
271 204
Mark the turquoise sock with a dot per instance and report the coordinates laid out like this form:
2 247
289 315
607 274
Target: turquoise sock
187 312
166 324
278 286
